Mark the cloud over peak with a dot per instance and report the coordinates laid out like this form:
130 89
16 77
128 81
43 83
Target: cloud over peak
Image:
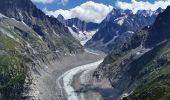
143 5
88 11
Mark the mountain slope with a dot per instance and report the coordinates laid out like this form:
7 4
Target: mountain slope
50 29
23 54
152 70
137 70
29 41
160 29
15 53
156 85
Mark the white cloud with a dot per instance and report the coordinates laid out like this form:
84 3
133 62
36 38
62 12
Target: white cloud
143 5
63 2
88 11
43 1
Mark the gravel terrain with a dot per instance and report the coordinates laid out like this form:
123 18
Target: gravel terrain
45 85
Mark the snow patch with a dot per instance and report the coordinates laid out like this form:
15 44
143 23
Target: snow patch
21 16
24 23
75 27
124 95
74 34
130 32
138 53
15 20
82 36
2 16
120 20
88 36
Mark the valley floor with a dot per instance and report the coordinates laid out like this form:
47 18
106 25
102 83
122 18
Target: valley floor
79 84
68 78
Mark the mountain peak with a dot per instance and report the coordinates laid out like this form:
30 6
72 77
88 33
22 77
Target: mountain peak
60 17
167 9
159 9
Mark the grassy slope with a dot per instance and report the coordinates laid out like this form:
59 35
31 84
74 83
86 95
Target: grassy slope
15 53
12 69
154 69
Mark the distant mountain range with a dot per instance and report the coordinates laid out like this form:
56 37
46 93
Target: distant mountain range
113 31
119 26
81 30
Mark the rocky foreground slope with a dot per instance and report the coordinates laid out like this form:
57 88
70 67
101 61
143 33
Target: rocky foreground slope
29 40
139 70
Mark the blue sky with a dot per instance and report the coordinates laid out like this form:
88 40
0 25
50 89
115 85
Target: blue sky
95 10
72 3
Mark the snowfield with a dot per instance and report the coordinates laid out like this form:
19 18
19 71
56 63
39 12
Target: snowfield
82 36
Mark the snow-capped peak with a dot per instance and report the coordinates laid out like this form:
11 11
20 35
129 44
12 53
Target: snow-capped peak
120 20
2 16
